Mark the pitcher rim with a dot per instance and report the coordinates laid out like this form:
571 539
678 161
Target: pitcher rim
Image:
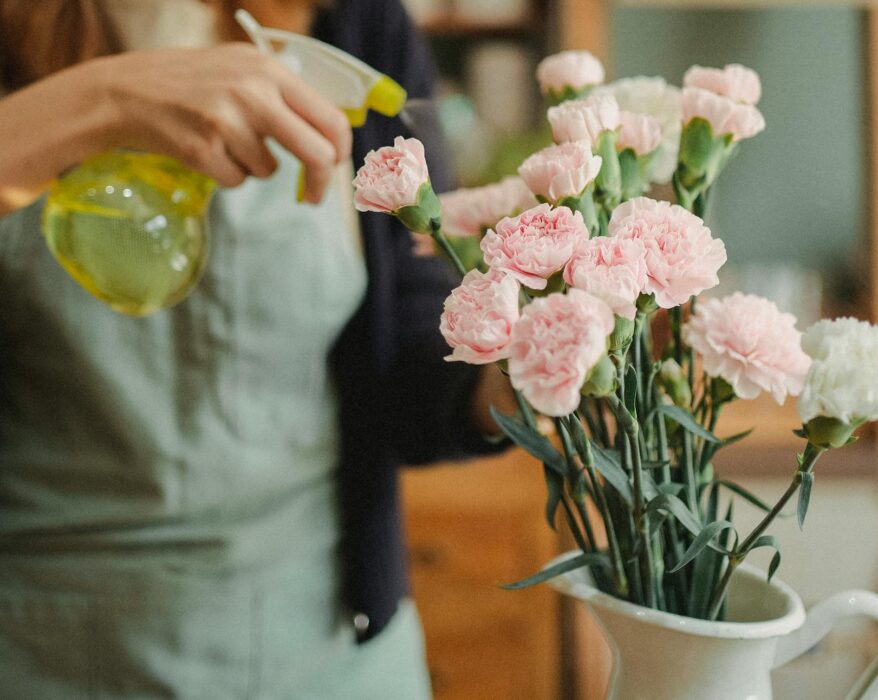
791 620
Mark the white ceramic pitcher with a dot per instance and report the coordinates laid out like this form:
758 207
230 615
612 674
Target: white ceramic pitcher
661 656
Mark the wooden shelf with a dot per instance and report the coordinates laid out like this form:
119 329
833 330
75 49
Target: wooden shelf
470 527
451 25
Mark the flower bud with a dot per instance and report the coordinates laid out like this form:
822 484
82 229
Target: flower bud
675 383
569 75
609 179
830 432
601 380
622 333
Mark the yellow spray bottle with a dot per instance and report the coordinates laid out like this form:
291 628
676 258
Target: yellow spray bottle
131 227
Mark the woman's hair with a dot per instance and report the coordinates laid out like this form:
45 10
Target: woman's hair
39 38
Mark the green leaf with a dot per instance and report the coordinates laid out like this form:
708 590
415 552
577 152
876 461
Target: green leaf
555 487
685 419
532 441
769 541
609 465
804 497
651 489
562 567
745 494
673 488
648 465
701 541
673 505
735 438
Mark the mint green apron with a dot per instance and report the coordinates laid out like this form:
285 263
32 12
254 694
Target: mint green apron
168 523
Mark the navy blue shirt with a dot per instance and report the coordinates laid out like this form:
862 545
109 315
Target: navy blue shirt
400 402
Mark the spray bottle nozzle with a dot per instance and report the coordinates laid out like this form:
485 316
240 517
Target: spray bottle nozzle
349 83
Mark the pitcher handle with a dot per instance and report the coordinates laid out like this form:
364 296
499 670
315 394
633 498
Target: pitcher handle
821 619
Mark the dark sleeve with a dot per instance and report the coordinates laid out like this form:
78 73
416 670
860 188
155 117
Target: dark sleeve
431 398
421 402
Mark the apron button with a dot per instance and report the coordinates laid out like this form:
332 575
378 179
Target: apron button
361 622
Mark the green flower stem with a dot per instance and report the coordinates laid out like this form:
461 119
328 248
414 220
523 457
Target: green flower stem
630 427
700 204
676 547
439 237
812 454
690 353
637 344
675 316
601 501
593 427
572 477
707 450
529 418
574 526
690 477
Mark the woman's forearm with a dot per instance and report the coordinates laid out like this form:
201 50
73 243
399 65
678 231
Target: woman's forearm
53 125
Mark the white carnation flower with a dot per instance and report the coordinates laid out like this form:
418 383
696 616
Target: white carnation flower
843 380
653 97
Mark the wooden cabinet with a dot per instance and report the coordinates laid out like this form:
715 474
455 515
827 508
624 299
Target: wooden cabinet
471 527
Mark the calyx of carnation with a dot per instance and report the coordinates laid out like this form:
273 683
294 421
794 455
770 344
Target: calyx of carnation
535 244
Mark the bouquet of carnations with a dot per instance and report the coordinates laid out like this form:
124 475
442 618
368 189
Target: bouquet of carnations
576 265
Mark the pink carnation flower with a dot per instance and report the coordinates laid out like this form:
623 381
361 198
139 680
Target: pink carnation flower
735 81
561 171
612 269
724 115
682 258
569 69
391 177
469 211
535 244
584 120
640 132
478 317
751 344
555 343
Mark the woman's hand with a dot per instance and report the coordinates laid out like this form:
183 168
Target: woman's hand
214 108
210 108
